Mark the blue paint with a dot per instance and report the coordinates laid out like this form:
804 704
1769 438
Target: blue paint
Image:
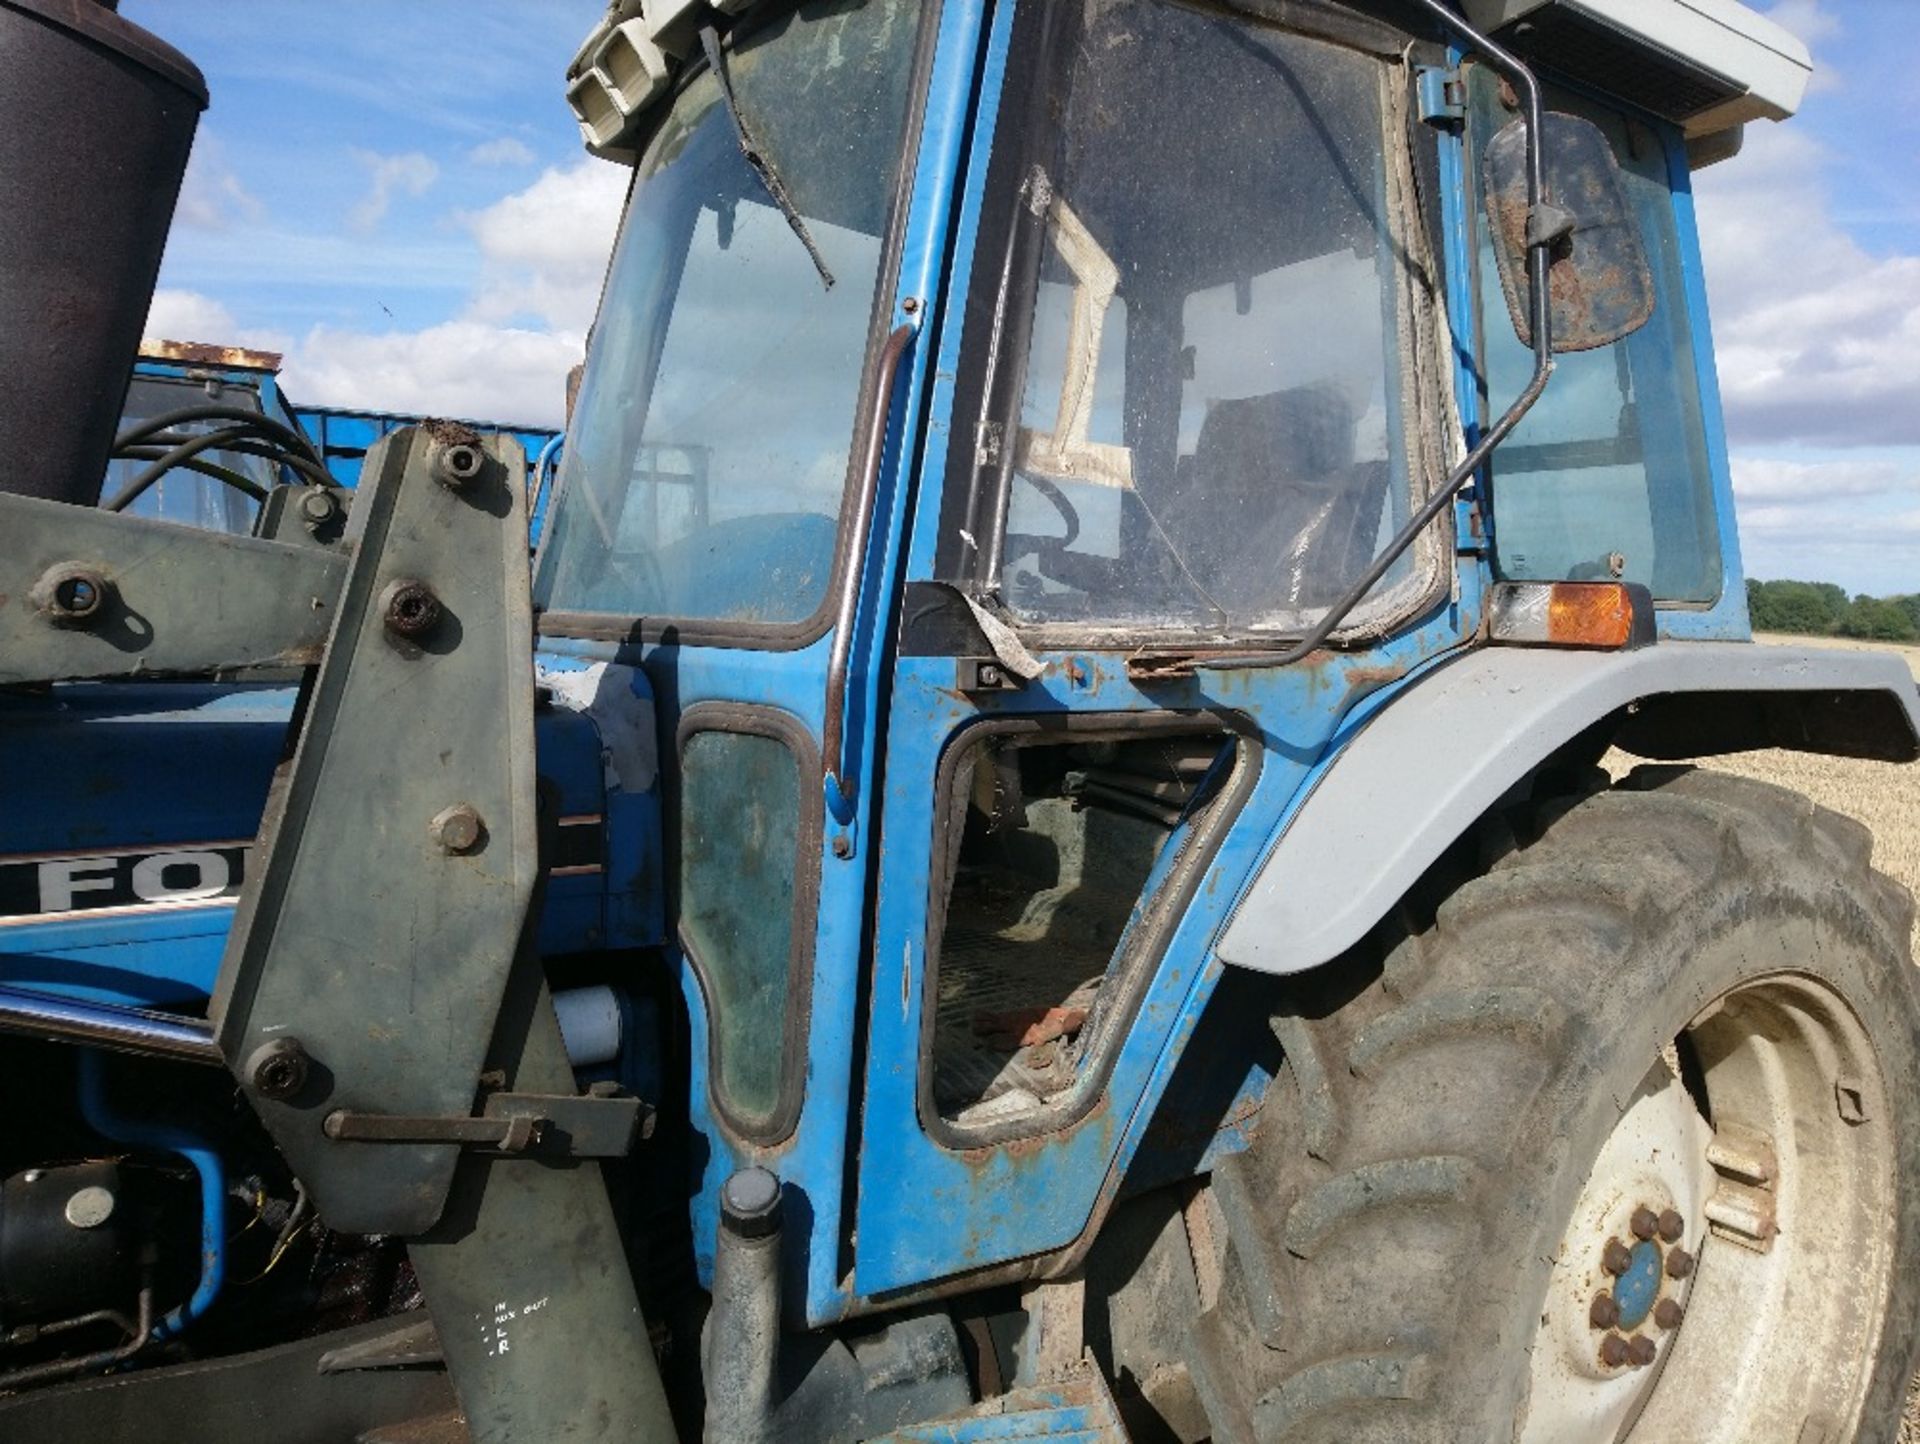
1638 1289
109 1124
1727 619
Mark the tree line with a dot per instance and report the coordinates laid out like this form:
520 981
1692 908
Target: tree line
1821 609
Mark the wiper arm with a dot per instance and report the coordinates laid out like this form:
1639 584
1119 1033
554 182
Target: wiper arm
757 159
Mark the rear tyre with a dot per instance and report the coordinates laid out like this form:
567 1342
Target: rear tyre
1620 1141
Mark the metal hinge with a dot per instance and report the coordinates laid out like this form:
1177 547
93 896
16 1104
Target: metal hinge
1441 95
598 1124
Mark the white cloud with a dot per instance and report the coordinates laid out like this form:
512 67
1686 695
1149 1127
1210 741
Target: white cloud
545 248
409 173
523 325
212 197
506 151
1779 483
1818 339
177 315
459 368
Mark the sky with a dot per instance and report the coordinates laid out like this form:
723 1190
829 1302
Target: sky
394 195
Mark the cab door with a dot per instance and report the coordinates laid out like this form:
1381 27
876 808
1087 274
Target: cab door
1186 384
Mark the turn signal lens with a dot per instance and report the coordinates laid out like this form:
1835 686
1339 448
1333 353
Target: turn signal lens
1611 615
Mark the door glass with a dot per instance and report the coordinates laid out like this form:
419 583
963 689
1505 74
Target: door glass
1607 475
707 455
1215 420
739 842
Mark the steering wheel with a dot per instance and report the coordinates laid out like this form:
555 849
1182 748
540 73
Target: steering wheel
1045 549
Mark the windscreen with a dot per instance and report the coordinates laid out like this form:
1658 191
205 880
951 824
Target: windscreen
706 461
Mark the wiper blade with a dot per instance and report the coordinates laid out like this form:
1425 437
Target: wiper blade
757 159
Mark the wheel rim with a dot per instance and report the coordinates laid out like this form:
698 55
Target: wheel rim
1724 1273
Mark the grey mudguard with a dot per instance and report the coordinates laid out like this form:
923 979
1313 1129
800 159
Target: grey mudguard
1449 748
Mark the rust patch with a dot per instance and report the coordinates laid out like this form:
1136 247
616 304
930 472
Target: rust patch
201 353
450 433
1028 1027
1372 677
1159 666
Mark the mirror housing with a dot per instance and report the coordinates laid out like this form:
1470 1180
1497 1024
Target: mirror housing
1601 283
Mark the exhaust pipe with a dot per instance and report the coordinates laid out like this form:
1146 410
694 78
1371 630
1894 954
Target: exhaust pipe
742 1352
96 119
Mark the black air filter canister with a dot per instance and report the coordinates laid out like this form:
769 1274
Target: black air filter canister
96 119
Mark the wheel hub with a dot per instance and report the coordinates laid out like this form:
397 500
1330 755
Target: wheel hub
1618 1292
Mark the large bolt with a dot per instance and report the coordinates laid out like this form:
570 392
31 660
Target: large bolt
1670 1226
457 829
1605 1311
410 609
318 507
1668 1313
1641 1351
278 1069
456 465
1645 1223
1613 1351
1679 1263
71 595
1616 1258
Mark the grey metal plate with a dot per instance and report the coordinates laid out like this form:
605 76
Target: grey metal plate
183 600
1444 752
383 954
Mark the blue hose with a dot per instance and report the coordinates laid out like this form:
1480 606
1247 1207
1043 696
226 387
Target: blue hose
206 1163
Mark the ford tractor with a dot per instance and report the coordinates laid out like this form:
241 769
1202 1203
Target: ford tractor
1029 857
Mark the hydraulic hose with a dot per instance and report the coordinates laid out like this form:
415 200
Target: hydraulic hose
186 451
292 440
101 1117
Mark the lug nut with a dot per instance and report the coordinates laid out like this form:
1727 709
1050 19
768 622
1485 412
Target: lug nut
1613 1351
1605 1311
1641 1351
1668 1313
1616 1258
410 609
1679 1263
1645 1223
1671 1226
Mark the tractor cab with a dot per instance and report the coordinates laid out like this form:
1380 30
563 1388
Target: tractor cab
1004 497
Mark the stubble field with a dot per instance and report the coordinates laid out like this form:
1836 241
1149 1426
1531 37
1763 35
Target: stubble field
1883 795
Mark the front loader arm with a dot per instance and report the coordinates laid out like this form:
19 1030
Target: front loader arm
379 1000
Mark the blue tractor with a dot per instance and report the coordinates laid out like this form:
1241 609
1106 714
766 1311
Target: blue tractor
1030 860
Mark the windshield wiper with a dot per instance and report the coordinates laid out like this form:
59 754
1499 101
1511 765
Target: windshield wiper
757 159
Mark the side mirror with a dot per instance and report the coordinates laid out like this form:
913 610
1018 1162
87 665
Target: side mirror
1601 284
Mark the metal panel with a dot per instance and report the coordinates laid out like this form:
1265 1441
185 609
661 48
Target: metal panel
369 932
174 599
1419 774
527 1276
